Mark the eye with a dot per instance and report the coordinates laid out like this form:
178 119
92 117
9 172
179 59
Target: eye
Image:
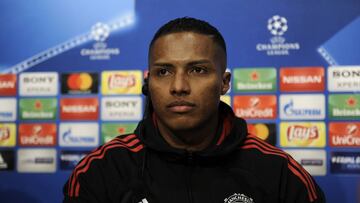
198 70
163 72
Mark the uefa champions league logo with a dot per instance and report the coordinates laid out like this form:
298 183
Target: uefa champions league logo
277 25
100 32
100 50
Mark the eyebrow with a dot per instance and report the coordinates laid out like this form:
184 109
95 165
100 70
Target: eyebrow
201 61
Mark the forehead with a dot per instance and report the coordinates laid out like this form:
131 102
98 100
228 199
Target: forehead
184 45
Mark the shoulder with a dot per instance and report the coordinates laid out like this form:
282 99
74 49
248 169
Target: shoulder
277 163
104 160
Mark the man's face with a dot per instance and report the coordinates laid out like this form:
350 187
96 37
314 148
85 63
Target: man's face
186 80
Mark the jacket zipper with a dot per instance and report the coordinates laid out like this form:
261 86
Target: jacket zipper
189 167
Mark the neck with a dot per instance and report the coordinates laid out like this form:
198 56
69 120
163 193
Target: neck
194 139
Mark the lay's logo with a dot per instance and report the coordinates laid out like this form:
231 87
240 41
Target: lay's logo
7 134
299 132
121 82
302 134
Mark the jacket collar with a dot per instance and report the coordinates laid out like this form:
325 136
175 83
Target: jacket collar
229 136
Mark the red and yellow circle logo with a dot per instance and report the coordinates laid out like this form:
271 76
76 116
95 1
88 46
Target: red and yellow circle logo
79 81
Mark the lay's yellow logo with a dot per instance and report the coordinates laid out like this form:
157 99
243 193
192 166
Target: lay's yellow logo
7 134
121 82
302 134
226 99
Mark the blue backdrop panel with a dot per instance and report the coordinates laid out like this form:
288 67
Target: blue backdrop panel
57 36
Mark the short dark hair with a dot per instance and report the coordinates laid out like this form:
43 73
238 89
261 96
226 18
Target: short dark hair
188 24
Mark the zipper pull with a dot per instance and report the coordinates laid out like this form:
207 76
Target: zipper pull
190 158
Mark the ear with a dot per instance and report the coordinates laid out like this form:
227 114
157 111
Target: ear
226 77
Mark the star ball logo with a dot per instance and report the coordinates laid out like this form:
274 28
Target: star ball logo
100 50
100 32
79 83
277 26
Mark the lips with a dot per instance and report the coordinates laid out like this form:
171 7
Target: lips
181 106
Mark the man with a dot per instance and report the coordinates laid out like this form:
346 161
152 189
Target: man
189 147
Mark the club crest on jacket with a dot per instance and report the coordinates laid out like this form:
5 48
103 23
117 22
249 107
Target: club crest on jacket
238 198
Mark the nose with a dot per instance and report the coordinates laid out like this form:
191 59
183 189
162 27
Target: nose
180 85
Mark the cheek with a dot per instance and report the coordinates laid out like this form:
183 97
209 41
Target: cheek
157 96
210 94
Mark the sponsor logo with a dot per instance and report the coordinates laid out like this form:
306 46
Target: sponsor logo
111 130
226 99
69 159
310 79
306 106
79 109
238 198
255 80
7 134
79 83
344 106
277 26
8 109
7 84
344 78
302 134
79 134
345 162
121 108
40 134
314 161
31 109
7 160
100 50
36 160
121 82
255 107
265 131
38 84
344 134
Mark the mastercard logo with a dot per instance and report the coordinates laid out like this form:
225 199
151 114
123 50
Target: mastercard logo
260 130
79 81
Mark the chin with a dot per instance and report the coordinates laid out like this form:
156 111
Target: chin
183 124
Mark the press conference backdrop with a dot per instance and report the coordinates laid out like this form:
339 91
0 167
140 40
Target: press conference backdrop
71 76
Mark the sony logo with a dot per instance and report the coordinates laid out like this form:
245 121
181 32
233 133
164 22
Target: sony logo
346 73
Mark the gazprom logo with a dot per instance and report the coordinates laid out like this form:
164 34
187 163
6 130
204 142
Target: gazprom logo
68 137
79 134
290 110
302 106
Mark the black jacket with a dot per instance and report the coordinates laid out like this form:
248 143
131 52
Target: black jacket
236 167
